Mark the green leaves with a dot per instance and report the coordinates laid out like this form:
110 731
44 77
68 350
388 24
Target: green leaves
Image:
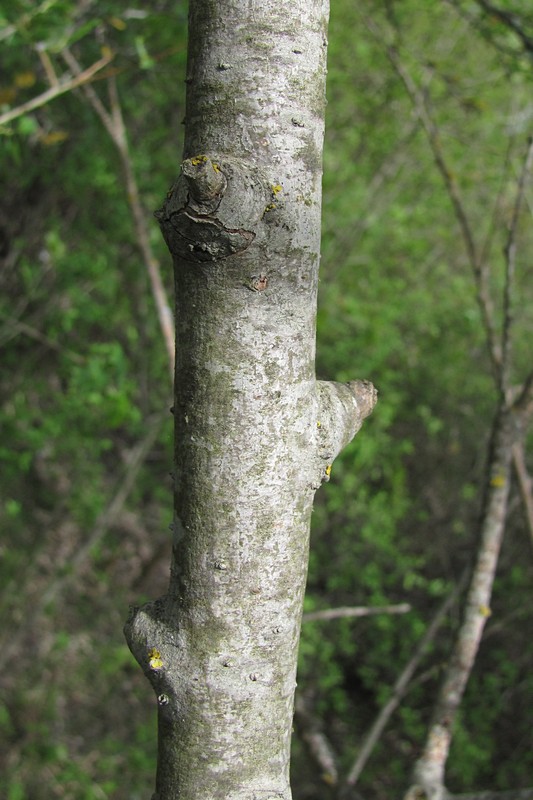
83 368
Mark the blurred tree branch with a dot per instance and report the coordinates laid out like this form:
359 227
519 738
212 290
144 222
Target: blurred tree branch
480 268
60 87
113 121
355 611
319 746
401 686
513 22
510 20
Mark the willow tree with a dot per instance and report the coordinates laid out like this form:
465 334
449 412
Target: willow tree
255 432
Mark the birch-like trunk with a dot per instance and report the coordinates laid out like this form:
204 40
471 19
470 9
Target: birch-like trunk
510 428
255 433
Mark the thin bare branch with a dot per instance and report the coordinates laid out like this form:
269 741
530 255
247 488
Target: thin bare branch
384 178
509 19
114 124
314 737
401 686
355 611
66 85
504 622
47 65
479 267
90 94
510 267
166 318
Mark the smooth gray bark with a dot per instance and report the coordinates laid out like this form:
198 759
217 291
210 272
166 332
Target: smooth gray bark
255 433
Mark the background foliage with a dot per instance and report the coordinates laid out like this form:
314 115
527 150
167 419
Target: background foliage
86 440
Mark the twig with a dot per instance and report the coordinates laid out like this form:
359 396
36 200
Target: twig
479 23
55 91
385 174
400 687
355 611
479 267
47 65
504 622
166 318
319 745
114 124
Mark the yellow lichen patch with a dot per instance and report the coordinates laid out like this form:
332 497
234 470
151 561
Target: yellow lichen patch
498 481
318 424
485 611
216 167
154 659
197 160
276 189
328 470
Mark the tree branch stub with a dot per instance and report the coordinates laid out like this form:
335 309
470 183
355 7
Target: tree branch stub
213 209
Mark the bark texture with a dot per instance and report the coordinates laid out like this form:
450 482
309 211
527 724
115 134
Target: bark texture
255 433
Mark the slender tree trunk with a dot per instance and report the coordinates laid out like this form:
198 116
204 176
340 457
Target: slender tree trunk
510 427
255 433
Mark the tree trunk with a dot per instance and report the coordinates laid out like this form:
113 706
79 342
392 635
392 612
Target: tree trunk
255 433
510 427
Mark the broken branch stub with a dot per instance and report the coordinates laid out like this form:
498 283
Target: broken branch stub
213 209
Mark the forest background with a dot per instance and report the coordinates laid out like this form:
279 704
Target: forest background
85 388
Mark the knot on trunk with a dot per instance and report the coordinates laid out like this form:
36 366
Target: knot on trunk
213 209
